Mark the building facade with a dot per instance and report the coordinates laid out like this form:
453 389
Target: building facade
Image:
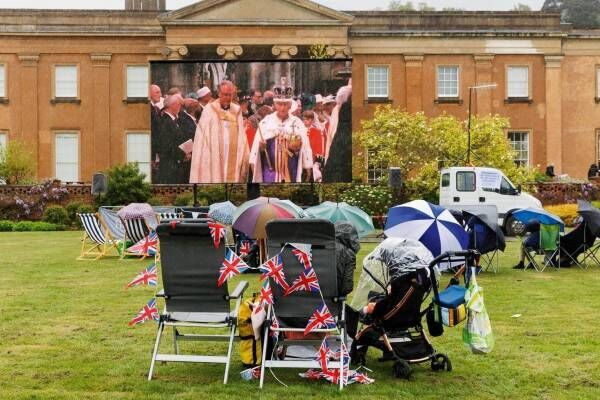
73 84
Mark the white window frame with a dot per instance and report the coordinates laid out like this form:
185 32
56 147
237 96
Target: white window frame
368 86
142 94
145 166
3 80
510 94
3 139
54 83
519 160
375 173
75 134
598 146
597 83
439 82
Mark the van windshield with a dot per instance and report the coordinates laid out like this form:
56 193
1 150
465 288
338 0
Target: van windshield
506 188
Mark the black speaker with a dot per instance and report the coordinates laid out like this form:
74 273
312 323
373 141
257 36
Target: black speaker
99 184
395 180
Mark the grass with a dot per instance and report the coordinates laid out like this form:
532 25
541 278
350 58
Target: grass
64 335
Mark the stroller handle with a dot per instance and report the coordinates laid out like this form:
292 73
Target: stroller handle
468 255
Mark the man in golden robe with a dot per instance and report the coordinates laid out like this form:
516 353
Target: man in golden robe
220 153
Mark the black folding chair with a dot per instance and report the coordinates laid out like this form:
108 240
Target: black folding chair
293 311
190 269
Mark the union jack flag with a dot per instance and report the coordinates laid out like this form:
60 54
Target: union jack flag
323 355
321 318
305 257
311 374
245 247
147 313
266 294
359 377
344 357
332 375
217 231
146 277
232 265
147 246
307 281
273 268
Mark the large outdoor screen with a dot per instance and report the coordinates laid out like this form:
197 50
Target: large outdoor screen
259 122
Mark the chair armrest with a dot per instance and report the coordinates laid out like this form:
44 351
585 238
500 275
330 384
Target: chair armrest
239 290
339 299
161 293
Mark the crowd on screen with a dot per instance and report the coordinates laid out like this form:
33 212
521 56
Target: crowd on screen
273 136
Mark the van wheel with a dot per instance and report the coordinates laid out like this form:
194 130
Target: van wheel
513 227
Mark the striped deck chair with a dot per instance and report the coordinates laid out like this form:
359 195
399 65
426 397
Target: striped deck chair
168 216
136 230
97 240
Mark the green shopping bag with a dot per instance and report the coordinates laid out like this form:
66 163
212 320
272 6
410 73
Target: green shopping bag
477 332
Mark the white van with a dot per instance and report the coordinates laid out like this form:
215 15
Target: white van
467 186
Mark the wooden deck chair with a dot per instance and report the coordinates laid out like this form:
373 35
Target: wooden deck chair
549 248
135 230
193 301
97 240
293 311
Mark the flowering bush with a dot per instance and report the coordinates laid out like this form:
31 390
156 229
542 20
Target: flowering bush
374 200
567 212
34 203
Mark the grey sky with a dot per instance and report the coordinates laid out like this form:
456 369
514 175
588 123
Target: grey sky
336 4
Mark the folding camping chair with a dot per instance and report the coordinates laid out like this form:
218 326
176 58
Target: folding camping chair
135 230
549 248
190 269
97 240
293 311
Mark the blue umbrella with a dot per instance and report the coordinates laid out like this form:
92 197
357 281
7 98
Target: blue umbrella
432 225
222 212
525 215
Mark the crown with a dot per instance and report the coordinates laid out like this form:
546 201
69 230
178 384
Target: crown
283 91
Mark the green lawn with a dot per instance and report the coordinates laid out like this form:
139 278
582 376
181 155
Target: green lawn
64 335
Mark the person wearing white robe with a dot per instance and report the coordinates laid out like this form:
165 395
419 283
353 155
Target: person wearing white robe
281 149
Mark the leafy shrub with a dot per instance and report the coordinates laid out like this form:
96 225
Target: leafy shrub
374 200
56 215
17 165
184 200
72 210
126 185
32 206
155 201
30 226
46 227
567 212
6 226
23 226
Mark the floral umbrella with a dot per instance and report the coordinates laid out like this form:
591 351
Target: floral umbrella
222 212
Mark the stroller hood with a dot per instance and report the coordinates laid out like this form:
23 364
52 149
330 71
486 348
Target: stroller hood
346 234
392 259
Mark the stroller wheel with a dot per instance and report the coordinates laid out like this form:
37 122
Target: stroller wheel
402 370
441 362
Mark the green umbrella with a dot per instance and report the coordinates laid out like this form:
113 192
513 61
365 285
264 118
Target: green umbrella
335 212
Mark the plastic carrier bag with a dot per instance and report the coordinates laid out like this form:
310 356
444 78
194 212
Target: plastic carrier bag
477 333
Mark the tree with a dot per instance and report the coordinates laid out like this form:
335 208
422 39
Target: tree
416 144
583 14
126 184
521 7
17 165
396 5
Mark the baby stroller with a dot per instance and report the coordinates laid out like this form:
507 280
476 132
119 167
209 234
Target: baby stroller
397 278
